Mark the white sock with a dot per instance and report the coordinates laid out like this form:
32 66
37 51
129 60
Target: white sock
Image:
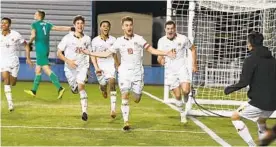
113 100
83 100
125 109
188 106
179 105
7 89
243 132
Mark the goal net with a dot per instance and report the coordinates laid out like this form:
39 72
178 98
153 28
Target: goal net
219 30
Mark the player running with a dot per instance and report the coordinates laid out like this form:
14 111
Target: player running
76 64
178 71
105 67
41 35
9 65
131 71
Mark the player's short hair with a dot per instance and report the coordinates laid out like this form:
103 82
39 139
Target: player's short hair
127 18
78 17
105 21
6 18
255 39
41 14
170 22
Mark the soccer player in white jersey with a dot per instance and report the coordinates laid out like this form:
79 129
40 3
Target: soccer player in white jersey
9 64
131 70
105 67
76 64
178 71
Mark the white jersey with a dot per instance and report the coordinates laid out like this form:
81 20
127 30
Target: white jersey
100 45
9 45
131 51
182 45
70 44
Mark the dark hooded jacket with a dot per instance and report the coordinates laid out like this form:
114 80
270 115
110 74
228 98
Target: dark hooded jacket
259 72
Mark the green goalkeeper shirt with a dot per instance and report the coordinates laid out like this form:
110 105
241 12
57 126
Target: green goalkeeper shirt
42 38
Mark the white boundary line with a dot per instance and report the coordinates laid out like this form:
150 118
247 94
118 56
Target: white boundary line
101 129
212 134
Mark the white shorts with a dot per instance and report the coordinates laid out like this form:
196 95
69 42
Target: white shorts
134 84
253 113
76 75
107 73
11 66
184 75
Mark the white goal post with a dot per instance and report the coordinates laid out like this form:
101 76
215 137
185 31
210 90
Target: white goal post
219 30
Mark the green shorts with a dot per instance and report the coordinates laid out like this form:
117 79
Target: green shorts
42 57
41 61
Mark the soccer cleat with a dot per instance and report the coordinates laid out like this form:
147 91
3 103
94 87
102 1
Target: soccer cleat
104 92
84 116
113 114
11 107
60 92
137 100
183 118
75 90
30 92
126 127
269 137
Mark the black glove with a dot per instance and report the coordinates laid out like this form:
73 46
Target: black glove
30 46
73 29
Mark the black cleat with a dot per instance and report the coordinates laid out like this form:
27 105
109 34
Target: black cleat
268 139
75 91
126 127
84 116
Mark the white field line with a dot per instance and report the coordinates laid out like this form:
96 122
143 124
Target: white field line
212 134
100 129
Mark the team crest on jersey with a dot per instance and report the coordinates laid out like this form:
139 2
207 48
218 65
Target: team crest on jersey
130 51
179 44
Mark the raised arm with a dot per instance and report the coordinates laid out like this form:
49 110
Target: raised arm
61 28
154 51
97 54
160 53
245 78
161 60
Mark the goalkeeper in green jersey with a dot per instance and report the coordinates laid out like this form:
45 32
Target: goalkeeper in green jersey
41 35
